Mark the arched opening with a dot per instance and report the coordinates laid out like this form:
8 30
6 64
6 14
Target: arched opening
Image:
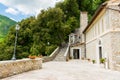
100 52
100 49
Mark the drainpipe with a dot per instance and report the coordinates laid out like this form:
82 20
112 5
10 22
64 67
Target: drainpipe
85 44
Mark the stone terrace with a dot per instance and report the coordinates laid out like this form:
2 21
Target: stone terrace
72 70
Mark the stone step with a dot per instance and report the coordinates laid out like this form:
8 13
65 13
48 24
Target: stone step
60 56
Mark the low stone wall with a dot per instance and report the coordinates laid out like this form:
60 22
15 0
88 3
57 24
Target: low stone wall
47 58
9 68
52 56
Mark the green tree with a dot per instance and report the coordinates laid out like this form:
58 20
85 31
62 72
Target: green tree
50 23
93 5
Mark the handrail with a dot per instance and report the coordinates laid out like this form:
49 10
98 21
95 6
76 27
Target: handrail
66 52
52 56
54 52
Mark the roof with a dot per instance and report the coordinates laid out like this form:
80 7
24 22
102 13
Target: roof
73 34
77 44
95 15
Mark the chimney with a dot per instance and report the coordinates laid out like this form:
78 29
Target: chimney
83 21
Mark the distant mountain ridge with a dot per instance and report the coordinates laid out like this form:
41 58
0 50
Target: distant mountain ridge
5 24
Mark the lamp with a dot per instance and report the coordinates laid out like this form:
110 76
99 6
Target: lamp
14 54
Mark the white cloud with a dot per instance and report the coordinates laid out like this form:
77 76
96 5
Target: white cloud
27 7
12 19
11 11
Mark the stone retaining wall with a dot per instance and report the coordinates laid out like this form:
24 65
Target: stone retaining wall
9 68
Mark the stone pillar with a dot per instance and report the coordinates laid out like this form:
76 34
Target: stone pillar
73 38
69 39
83 24
114 20
80 56
83 21
71 52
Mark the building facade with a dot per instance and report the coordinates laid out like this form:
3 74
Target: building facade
101 37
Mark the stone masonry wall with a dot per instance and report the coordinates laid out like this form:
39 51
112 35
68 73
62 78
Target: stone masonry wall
116 50
111 49
83 21
9 68
114 17
83 24
115 34
91 50
106 49
83 51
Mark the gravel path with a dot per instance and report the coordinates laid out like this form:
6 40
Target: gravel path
72 70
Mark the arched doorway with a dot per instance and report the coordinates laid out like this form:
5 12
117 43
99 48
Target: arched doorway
99 50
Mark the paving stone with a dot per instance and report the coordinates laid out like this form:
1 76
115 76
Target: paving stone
72 70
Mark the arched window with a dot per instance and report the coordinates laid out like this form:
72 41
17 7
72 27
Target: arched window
99 42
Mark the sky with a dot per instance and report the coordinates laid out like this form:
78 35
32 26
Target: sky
21 9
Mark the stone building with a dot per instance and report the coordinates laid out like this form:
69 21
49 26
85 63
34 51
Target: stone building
101 37
76 39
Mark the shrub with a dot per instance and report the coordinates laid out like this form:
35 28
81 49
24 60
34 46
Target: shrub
50 49
36 49
102 60
7 53
93 61
23 55
5 56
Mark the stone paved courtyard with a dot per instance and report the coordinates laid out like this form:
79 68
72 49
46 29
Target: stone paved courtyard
72 70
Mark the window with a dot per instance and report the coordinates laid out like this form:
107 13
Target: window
102 25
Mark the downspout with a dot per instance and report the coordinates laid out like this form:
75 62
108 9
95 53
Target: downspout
85 44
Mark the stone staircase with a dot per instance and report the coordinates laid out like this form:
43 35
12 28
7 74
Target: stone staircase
60 55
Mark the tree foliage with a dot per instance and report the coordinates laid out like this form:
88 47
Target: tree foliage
89 5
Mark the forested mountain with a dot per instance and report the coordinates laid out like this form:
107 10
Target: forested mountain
5 24
51 26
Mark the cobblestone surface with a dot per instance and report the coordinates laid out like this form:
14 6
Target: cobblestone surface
72 70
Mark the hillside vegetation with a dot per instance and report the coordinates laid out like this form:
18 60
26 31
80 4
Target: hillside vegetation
5 24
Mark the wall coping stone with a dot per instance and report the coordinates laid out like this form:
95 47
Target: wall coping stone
13 67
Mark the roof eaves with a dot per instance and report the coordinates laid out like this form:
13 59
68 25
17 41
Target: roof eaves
95 15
